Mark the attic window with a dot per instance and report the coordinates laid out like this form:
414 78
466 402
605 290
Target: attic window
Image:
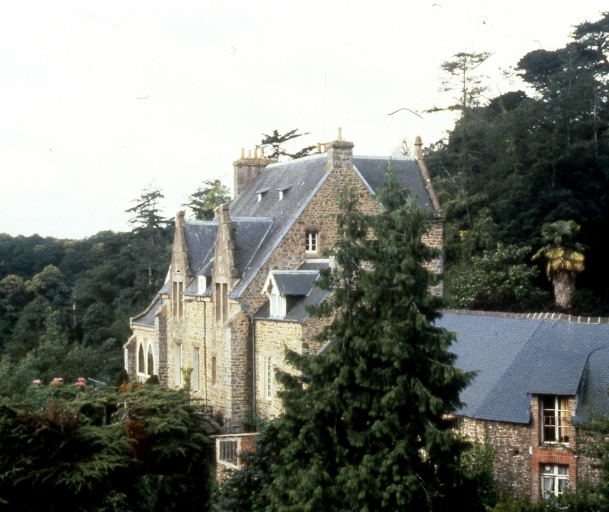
282 192
278 306
261 192
202 284
555 419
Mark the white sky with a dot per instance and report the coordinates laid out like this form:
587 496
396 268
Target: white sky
77 145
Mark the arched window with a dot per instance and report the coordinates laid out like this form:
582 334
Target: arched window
150 361
140 360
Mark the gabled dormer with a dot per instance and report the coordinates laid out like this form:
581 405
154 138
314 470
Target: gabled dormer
225 273
286 288
180 273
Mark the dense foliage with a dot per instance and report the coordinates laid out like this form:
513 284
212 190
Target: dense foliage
528 159
72 448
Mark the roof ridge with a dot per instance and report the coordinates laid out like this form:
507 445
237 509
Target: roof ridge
252 218
295 271
531 316
392 157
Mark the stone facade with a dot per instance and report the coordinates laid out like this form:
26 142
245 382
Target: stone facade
520 455
213 334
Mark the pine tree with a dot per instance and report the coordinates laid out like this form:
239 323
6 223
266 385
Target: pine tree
275 143
369 425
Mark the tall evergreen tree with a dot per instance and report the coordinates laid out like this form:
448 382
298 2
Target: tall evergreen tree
150 225
368 425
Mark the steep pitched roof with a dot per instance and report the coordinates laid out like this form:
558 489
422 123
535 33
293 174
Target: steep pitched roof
259 225
299 180
248 234
515 357
372 168
201 238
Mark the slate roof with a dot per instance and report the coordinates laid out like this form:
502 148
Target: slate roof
298 312
147 317
303 177
200 238
248 234
515 357
372 168
260 225
315 264
294 282
299 180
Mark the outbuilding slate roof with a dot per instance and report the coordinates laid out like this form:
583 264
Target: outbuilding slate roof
516 357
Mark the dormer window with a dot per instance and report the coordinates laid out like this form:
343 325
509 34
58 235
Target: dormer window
311 241
277 304
282 192
261 193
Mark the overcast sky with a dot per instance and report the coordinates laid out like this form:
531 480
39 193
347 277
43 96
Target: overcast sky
99 100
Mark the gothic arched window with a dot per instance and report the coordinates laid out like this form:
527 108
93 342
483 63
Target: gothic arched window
150 361
140 360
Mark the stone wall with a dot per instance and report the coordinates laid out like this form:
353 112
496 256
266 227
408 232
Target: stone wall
520 453
512 461
130 358
273 338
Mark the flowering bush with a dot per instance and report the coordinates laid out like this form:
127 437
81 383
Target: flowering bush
36 382
81 382
57 382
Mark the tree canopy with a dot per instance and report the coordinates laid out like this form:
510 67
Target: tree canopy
533 158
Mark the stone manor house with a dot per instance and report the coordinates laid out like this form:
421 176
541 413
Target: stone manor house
236 297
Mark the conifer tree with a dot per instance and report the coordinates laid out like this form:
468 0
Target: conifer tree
367 425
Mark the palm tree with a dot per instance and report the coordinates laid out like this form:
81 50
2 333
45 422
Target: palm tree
564 257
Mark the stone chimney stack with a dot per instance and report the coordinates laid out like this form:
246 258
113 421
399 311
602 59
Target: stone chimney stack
246 169
418 155
340 153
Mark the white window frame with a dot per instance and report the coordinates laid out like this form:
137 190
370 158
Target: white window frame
202 284
278 304
558 421
555 476
196 368
312 242
269 377
177 363
228 452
